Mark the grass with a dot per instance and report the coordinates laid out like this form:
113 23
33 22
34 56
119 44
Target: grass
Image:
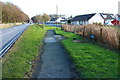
92 61
7 26
17 63
116 27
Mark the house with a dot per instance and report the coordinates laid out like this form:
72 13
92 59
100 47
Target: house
63 21
116 22
53 20
56 20
55 15
103 18
118 17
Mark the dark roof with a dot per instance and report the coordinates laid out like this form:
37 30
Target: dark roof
53 19
118 17
107 16
64 20
85 17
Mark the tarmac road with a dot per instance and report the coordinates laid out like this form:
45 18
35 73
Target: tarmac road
7 34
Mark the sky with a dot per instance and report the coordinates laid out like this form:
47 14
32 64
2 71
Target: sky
67 7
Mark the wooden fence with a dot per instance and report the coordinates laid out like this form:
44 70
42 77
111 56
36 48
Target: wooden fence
107 36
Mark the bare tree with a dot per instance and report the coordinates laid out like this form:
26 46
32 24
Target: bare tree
41 18
45 17
12 13
0 12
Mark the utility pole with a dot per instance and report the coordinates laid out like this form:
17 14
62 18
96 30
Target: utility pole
57 14
57 10
119 8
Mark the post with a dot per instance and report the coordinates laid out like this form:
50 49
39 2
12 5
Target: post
119 41
57 15
74 29
84 31
90 33
100 35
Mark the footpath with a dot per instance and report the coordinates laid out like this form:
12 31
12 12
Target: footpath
55 62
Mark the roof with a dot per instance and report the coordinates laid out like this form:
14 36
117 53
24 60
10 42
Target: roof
107 16
118 17
53 19
85 17
115 22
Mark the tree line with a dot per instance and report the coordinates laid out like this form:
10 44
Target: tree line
40 18
10 13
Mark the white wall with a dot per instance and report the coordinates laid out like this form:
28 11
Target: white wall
80 22
59 19
75 22
108 22
96 18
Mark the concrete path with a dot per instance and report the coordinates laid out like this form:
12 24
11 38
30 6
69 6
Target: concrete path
55 62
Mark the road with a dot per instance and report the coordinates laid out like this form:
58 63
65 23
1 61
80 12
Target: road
8 35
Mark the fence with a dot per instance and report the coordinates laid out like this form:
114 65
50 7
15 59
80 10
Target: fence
107 36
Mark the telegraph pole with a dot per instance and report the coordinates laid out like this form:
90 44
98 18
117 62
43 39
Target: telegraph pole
57 14
57 10
119 8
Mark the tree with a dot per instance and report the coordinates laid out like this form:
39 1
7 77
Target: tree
0 12
40 18
45 18
12 13
36 18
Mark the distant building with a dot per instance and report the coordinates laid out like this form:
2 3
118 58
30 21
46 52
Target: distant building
57 20
117 17
116 21
52 20
103 18
56 16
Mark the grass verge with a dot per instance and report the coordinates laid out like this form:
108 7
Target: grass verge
2 26
17 63
5 27
92 61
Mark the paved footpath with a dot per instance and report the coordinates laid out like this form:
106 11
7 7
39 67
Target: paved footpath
55 62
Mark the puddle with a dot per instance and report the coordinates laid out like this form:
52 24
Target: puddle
59 37
50 40
78 41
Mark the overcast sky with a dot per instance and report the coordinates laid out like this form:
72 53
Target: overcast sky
67 7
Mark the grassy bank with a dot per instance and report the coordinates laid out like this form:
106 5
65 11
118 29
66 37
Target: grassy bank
17 63
92 61
7 25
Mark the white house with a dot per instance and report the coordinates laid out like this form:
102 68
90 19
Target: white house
103 18
117 16
56 20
